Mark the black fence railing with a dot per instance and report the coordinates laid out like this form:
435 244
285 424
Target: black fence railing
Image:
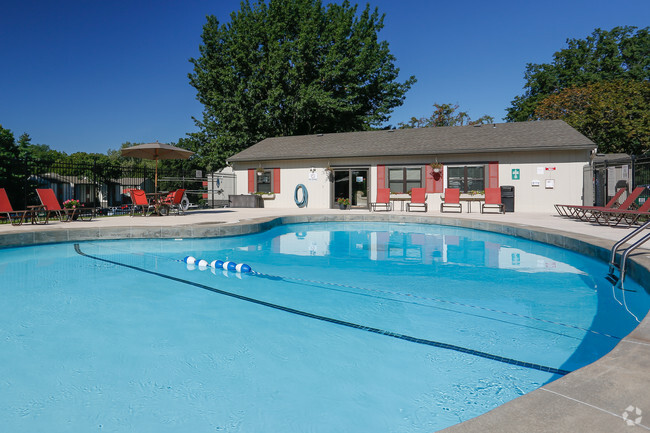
623 171
102 185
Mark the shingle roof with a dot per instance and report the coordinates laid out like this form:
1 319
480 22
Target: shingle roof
500 137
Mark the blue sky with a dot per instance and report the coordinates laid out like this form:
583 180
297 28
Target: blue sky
88 75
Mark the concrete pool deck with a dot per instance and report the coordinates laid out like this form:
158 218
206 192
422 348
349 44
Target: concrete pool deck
600 397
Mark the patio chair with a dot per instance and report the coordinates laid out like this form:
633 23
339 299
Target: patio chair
383 199
418 199
173 200
493 200
52 206
5 208
577 211
451 200
139 199
589 213
614 217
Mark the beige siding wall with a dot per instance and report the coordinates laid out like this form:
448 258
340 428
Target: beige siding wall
564 168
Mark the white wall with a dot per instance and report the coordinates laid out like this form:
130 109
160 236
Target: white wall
567 177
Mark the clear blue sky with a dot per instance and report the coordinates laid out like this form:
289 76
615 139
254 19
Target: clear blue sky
88 75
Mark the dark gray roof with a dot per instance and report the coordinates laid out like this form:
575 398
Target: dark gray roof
500 137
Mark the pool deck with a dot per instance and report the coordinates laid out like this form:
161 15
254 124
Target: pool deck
597 398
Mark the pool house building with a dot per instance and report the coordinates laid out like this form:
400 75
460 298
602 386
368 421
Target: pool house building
544 161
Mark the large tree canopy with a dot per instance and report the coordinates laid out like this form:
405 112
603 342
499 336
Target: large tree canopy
621 53
291 67
613 114
445 115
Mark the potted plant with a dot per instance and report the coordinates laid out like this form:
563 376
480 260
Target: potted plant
74 205
436 166
260 171
343 203
71 204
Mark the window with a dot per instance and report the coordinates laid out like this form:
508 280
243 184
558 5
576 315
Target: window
264 182
466 178
403 179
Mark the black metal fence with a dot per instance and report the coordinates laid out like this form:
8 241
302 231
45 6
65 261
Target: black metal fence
99 185
612 173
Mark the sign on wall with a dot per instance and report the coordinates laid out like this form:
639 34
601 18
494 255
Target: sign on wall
515 174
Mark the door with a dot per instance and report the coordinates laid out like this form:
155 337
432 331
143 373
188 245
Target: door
351 183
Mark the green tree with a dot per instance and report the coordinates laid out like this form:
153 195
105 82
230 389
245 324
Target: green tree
291 67
40 153
613 114
621 53
445 115
10 178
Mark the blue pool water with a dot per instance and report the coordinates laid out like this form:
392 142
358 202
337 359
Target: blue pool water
360 327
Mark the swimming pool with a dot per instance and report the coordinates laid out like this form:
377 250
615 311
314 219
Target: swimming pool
347 327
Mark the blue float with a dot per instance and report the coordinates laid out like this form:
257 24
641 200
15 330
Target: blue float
241 268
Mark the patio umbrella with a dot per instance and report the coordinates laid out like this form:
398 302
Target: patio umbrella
156 151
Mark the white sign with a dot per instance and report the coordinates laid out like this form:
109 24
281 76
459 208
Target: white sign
550 183
540 170
313 175
534 183
625 172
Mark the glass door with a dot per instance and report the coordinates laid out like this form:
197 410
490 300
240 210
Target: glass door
351 183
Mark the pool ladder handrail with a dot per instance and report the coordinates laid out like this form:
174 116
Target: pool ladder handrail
612 259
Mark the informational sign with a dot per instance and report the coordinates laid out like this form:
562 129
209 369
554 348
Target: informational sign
540 170
359 179
550 183
313 175
515 174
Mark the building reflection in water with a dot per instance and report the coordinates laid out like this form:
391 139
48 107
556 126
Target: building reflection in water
415 248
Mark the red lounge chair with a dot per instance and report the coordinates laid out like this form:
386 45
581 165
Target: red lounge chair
418 199
383 199
590 212
139 198
5 208
452 200
613 217
578 211
52 206
173 200
492 200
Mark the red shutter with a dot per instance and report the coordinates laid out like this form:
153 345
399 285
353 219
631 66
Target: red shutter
381 176
276 180
493 174
428 178
251 180
438 180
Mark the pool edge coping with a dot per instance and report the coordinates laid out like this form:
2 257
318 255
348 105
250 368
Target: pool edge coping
542 410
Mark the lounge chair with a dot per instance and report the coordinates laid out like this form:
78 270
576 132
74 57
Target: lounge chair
589 213
5 208
613 217
173 200
451 200
383 199
577 211
52 206
139 199
418 199
493 200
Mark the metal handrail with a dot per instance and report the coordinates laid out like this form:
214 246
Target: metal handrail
626 253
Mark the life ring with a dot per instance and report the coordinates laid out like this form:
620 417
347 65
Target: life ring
303 202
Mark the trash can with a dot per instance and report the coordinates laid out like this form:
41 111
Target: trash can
508 198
